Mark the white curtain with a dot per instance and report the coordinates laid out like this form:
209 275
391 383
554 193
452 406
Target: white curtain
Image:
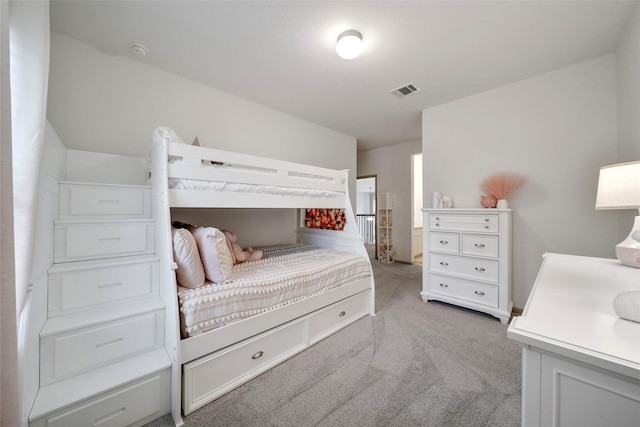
9 400
29 50
24 73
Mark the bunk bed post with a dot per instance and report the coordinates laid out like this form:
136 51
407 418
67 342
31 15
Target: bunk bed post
168 288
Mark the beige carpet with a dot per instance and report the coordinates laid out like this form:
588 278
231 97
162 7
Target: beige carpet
414 364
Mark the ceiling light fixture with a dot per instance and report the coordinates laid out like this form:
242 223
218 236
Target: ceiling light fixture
349 44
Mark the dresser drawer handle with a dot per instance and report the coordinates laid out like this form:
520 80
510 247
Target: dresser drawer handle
479 293
479 269
108 285
486 226
444 263
258 355
342 313
486 220
444 285
111 342
437 225
437 218
444 242
479 245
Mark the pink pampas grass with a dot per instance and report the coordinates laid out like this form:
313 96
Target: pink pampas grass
502 185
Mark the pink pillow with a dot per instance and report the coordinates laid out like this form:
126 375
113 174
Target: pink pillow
214 253
190 272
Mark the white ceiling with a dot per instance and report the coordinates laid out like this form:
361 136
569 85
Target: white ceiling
281 54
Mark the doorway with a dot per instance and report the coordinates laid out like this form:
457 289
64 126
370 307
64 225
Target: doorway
416 208
366 201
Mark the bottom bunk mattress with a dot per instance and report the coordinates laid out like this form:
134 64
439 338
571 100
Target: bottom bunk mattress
286 274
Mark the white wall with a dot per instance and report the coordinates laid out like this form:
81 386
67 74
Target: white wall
628 78
558 129
107 103
392 165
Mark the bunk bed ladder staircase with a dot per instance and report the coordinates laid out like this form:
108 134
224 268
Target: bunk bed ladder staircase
102 355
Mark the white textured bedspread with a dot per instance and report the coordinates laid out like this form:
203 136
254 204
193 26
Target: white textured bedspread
286 274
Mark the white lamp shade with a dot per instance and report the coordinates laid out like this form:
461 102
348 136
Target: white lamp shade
349 44
619 186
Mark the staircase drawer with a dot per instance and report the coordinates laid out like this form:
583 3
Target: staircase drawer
140 401
68 353
328 320
93 201
211 376
76 241
91 284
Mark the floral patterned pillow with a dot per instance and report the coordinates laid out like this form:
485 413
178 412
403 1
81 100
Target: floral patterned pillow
326 219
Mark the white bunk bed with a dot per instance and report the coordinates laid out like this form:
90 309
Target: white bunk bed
207 365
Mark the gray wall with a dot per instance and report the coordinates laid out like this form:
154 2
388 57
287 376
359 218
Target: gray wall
558 129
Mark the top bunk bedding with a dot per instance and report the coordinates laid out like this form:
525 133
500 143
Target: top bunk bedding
286 274
197 176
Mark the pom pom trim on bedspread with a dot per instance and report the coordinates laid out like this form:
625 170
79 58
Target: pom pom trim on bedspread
314 271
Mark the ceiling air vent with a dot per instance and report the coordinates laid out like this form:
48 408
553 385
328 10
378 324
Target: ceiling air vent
405 90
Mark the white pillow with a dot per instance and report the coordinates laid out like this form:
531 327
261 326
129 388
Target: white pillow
214 254
190 272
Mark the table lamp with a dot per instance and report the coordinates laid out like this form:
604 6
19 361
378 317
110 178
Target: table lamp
619 188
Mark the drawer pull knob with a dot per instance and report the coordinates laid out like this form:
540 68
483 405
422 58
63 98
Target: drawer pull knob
479 269
486 226
437 225
444 285
486 220
342 313
444 242
479 245
258 355
444 263
437 218
479 293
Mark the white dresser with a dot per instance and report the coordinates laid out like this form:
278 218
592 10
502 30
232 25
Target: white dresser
102 356
468 260
580 362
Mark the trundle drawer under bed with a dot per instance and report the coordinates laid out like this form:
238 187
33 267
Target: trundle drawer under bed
208 377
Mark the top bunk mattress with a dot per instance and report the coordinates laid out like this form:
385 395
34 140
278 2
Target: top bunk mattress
286 274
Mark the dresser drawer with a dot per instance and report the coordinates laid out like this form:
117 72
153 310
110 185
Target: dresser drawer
92 201
66 354
444 242
210 376
326 321
480 293
145 399
488 223
480 244
95 239
473 268
89 283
